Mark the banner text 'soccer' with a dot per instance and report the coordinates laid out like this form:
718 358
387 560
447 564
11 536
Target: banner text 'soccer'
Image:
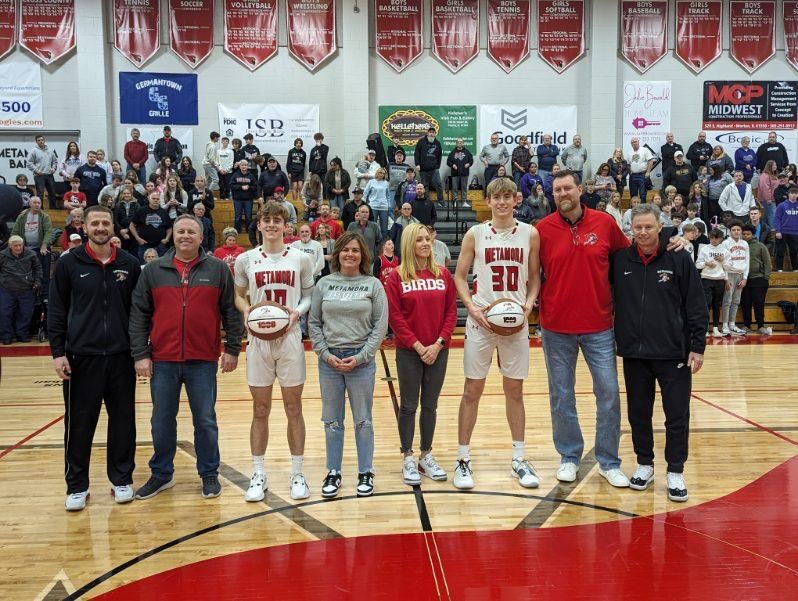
311 31
511 122
405 125
646 114
455 32
250 31
158 98
752 33
750 105
791 32
644 32
561 32
137 29
698 32
20 94
508 32
47 30
397 31
191 30
150 135
273 126
8 26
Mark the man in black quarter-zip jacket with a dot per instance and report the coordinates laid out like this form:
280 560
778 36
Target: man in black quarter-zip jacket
660 330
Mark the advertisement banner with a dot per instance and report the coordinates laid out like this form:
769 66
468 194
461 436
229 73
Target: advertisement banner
273 126
561 32
137 29
511 122
397 31
47 30
750 105
791 32
250 31
20 94
646 114
752 32
698 31
158 98
191 30
8 26
508 32
15 147
644 32
731 140
311 31
150 135
405 125
455 32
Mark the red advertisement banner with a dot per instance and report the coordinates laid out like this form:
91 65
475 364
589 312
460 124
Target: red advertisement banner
561 32
752 33
398 31
455 32
644 32
698 32
311 31
191 30
791 32
8 26
47 30
508 32
137 29
250 31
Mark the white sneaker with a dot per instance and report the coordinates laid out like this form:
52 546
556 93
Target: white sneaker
463 476
525 473
737 331
567 472
410 474
299 487
123 494
765 331
427 466
642 478
716 333
257 488
677 489
615 477
726 331
76 501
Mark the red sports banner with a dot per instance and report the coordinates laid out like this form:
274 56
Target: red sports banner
508 32
561 32
398 31
250 31
752 32
698 32
455 32
8 26
137 29
311 31
47 30
791 32
644 32
191 30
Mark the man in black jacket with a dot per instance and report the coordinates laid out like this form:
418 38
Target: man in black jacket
460 160
317 157
87 321
679 175
428 157
244 190
272 177
168 147
661 322
423 208
667 151
773 150
699 152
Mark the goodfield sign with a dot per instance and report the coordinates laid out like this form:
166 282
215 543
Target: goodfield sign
404 125
513 121
274 127
750 105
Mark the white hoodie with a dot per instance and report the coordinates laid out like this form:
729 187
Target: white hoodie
739 256
730 200
719 254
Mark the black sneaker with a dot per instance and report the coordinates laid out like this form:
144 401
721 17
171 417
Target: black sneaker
153 487
211 487
365 484
332 482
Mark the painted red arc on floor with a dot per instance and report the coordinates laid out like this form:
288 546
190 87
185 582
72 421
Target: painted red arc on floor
743 545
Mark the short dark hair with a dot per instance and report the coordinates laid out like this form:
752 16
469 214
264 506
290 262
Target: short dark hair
563 173
716 234
248 136
214 135
736 223
167 128
410 170
97 209
38 136
318 136
749 228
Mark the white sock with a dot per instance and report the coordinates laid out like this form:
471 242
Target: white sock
296 464
464 451
518 449
257 464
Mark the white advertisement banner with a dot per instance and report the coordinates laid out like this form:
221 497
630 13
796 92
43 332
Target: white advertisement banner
150 135
731 139
20 93
15 147
274 127
513 121
646 115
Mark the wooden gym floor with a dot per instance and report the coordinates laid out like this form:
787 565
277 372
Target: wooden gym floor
736 538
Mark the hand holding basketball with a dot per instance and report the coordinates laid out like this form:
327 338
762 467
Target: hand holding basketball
478 315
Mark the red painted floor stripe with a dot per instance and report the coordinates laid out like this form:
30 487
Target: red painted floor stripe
746 420
29 436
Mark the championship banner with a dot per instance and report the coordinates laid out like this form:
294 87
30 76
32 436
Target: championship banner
698 31
250 31
158 98
750 105
644 32
752 33
191 30
20 93
646 114
455 32
150 135
397 25
137 29
311 31
8 26
561 32
405 125
791 32
511 122
47 30
508 32
273 126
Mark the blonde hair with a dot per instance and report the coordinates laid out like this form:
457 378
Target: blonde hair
407 267
500 185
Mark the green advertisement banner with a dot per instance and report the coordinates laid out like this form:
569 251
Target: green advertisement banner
404 125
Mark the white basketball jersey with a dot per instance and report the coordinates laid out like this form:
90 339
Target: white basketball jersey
278 277
501 267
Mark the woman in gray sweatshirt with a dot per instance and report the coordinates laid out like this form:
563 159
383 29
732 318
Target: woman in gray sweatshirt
348 321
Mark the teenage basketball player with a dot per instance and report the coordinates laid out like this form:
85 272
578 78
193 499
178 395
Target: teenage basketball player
281 274
504 255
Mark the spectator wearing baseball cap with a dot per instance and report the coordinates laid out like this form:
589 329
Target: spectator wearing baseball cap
780 192
366 168
350 209
167 146
679 175
229 249
272 178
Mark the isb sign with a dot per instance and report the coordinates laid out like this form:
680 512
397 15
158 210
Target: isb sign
158 98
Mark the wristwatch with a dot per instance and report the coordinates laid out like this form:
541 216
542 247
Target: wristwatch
441 342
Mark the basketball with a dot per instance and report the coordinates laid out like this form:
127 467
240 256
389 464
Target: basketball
506 317
268 320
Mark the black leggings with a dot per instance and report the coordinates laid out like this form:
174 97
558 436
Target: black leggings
416 377
787 243
753 295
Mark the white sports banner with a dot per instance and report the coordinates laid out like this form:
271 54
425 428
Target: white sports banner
274 127
646 115
20 93
731 139
512 121
150 135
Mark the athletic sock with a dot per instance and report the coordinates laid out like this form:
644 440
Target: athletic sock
518 449
257 464
296 464
464 451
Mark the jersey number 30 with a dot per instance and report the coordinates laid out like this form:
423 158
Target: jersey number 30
505 278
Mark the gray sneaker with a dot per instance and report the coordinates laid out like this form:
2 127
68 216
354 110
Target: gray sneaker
153 487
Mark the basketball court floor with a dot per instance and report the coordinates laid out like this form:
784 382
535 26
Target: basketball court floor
736 538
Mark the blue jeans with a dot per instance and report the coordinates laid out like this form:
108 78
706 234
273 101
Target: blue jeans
141 173
359 385
560 352
382 219
16 311
168 378
432 181
242 207
637 184
337 201
770 212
